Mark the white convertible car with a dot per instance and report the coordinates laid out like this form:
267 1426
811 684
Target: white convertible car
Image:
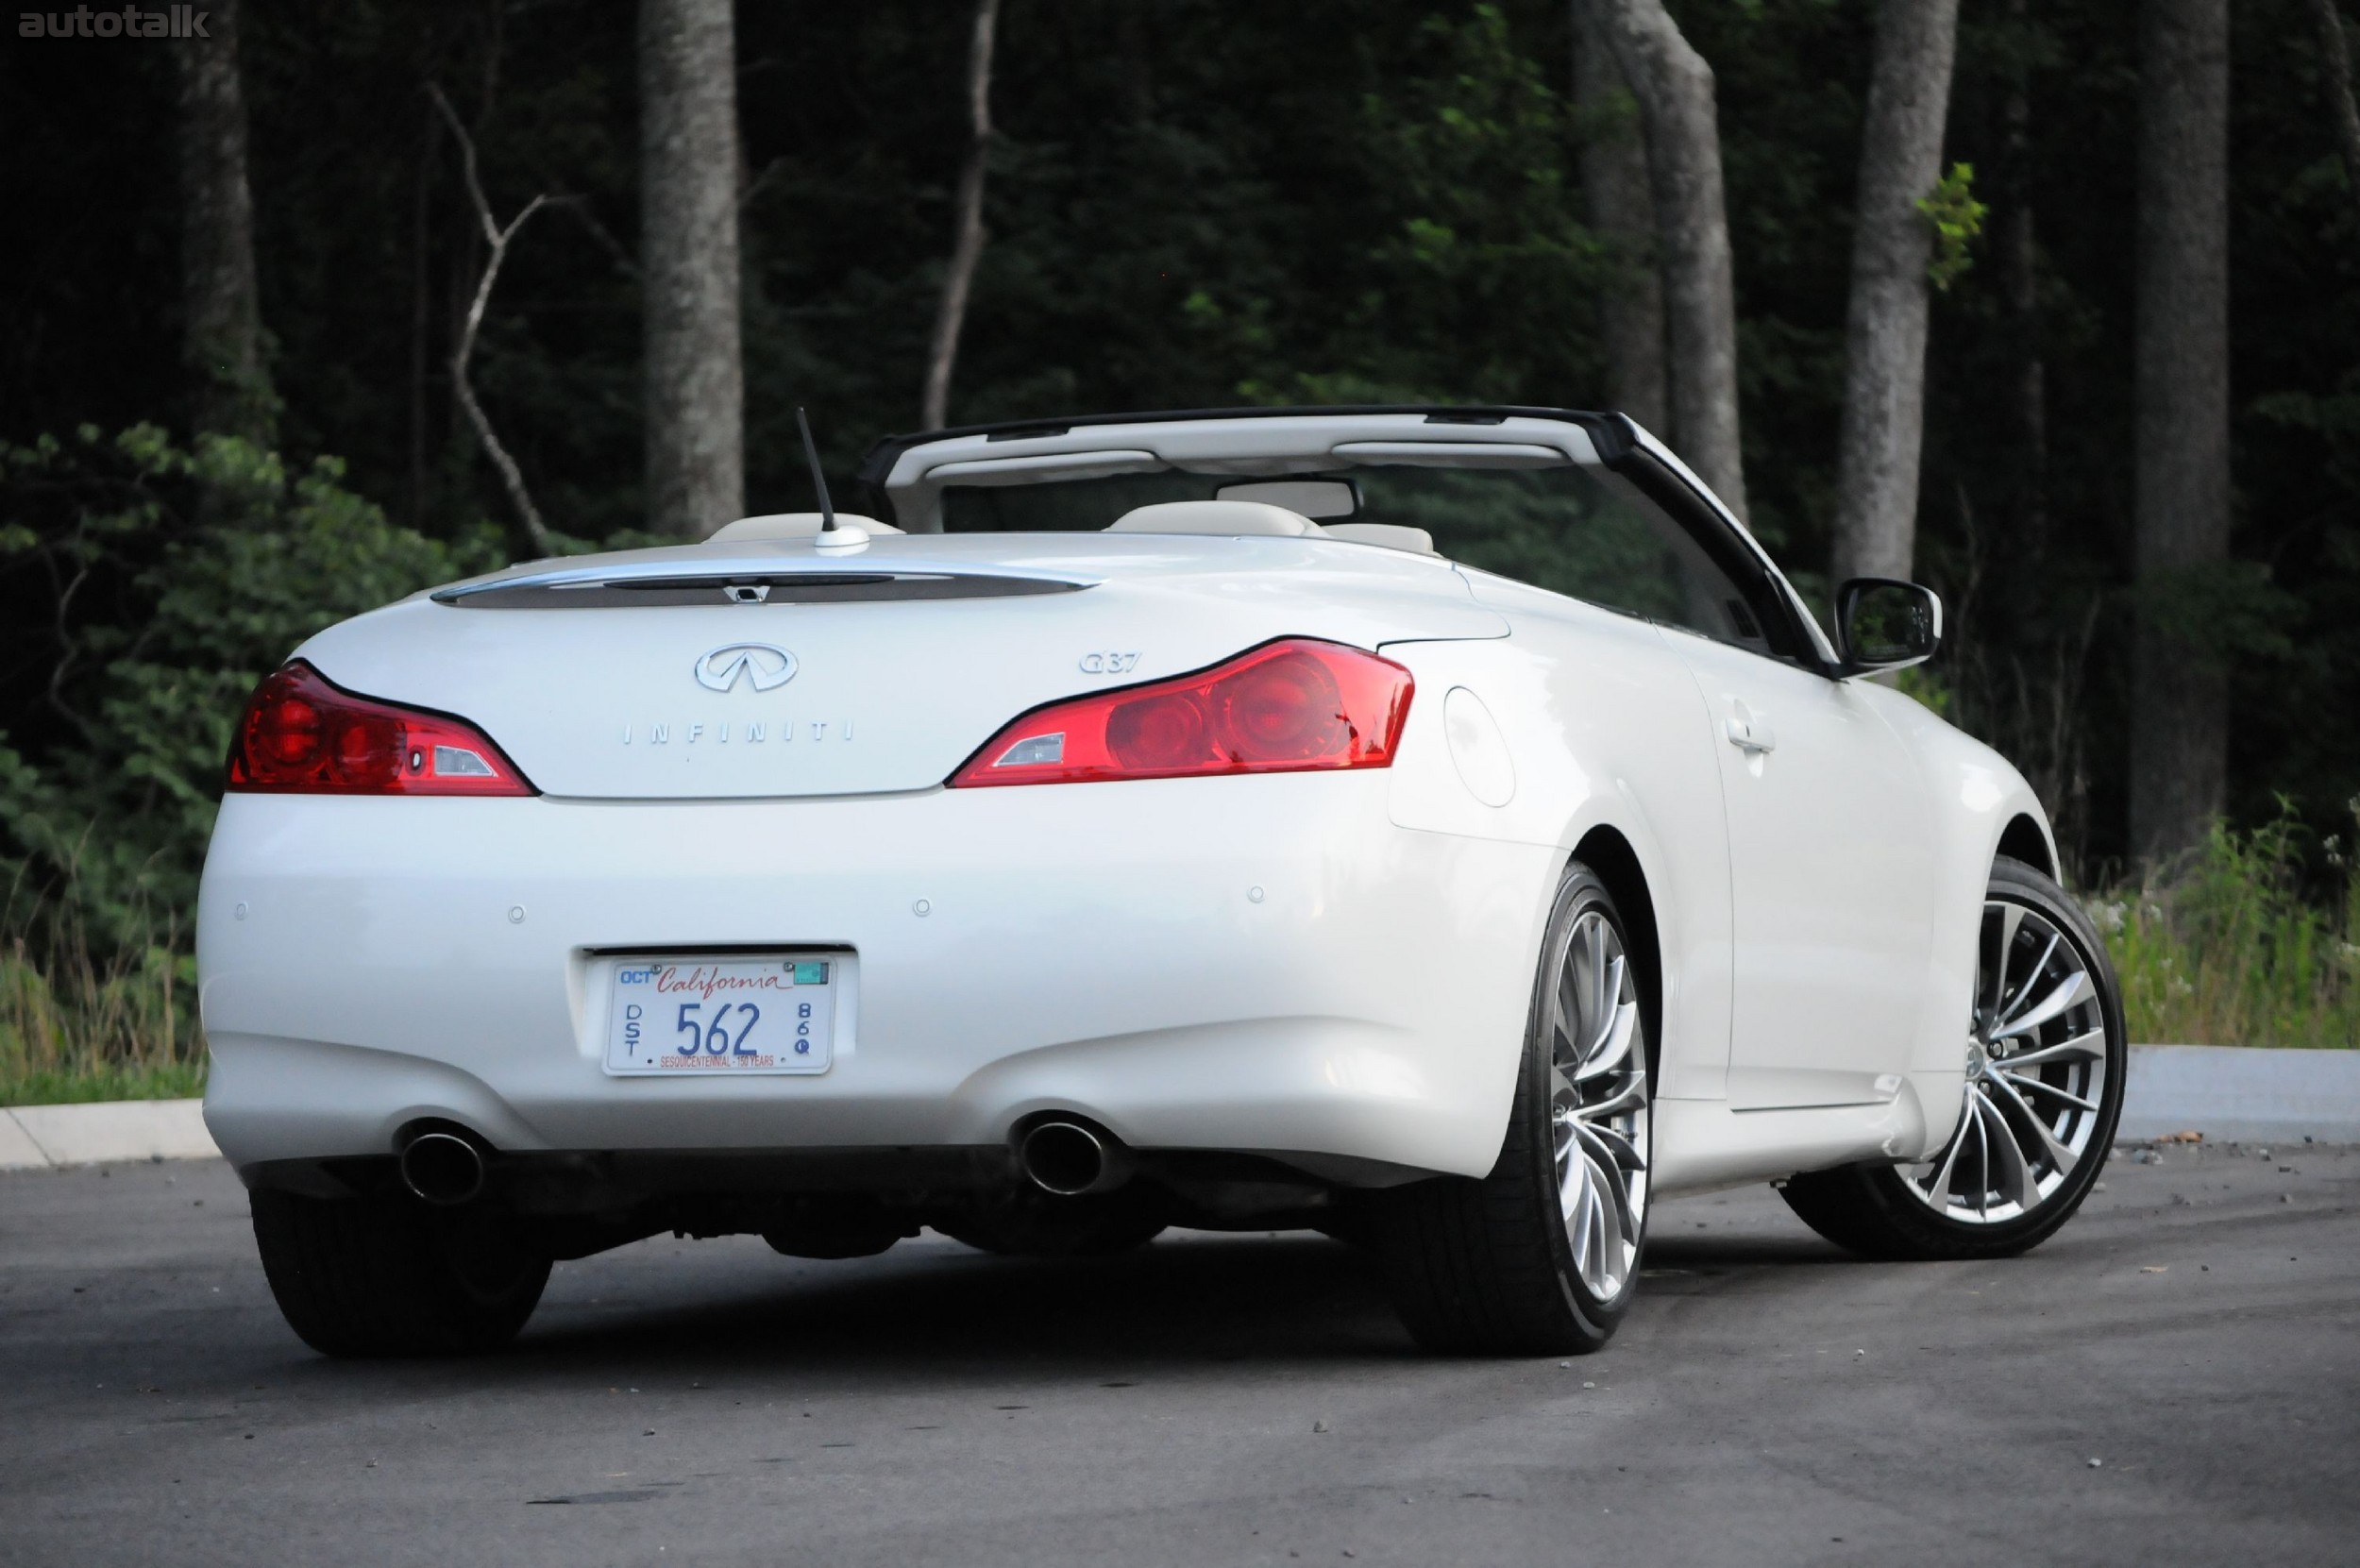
1444 828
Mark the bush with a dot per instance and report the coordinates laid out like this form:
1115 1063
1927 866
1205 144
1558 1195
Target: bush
2224 949
72 1028
174 579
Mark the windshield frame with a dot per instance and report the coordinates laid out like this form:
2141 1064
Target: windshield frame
894 479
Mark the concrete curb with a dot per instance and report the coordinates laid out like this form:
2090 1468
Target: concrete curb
2230 1093
35 1136
2242 1094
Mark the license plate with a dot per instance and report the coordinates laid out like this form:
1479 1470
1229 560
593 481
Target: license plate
721 1015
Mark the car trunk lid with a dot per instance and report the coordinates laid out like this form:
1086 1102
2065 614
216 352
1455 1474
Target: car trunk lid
675 674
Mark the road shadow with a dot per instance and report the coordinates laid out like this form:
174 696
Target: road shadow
1727 1253
1202 1300
933 1313
936 1310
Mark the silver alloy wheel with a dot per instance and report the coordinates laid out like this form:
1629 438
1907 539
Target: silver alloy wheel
1599 1109
2035 1074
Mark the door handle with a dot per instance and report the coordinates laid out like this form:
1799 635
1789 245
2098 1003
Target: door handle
1751 733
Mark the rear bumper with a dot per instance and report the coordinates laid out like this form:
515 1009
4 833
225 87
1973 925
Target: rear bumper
1096 948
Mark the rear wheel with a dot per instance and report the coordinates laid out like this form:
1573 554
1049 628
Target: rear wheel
388 1276
1539 1258
2046 1050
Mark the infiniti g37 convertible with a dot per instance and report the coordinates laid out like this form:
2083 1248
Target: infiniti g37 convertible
1442 828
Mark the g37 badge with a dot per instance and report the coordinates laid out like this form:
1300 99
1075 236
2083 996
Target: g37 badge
1108 664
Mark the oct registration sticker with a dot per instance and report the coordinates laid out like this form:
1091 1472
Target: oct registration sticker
718 1016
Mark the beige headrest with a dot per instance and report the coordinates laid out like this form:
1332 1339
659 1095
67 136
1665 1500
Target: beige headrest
1392 536
790 525
1222 517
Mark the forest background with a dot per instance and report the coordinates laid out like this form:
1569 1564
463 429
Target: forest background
1152 203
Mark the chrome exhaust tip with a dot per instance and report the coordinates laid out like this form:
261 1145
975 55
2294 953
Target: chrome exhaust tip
443 1168
1070 1158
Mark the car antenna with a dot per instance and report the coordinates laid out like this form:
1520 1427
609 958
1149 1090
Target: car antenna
819 479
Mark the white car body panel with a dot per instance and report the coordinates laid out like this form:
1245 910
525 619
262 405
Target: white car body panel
1335 968
1830 886
1628 753
1365 1006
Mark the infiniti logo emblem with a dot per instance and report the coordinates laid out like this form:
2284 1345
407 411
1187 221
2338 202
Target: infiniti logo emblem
767 668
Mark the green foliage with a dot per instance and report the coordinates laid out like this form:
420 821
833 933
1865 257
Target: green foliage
177 578
1926 686
1468 159
155 583
2223 613
1958 219
1191 203
1479 152
2224 949
73 1027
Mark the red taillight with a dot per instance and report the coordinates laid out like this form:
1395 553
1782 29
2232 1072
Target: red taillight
1289 705
301 735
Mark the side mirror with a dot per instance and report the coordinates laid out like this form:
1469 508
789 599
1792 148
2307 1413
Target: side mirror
1885 624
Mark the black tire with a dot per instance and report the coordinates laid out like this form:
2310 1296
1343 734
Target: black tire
368 1277
1486 1267
1873 1210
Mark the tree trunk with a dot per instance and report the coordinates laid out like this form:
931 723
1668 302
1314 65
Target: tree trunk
2335 52
968 247
421 211
1674 87
1884 347
2020 270
1614 179
222 319
496 241
2180 694
695 387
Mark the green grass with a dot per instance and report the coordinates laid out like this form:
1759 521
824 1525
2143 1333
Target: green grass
2222 947
77 1028
171 1081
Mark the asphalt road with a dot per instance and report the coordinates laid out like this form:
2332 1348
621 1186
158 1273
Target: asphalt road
1211 1400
